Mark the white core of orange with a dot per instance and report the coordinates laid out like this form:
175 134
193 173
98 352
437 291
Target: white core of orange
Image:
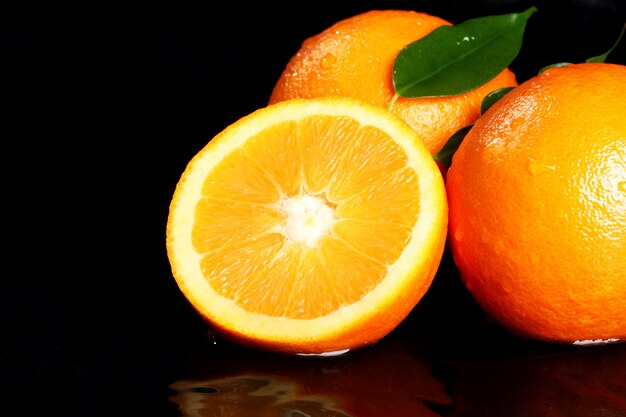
307 218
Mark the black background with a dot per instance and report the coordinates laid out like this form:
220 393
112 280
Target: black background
104 108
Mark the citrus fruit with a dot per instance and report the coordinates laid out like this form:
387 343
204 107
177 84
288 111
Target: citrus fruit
354 58
537 196
308 226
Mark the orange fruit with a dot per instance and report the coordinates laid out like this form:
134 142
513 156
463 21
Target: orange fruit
355 57
537 195
308 226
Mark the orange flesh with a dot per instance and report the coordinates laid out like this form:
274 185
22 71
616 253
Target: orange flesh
373 206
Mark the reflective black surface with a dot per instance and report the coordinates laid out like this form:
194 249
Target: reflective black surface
106 108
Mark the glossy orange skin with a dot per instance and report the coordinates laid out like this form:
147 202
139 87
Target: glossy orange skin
537 194
354 58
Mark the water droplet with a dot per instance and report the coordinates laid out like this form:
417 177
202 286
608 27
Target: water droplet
328 61
326 354
595 341
537 167
533 167
458 235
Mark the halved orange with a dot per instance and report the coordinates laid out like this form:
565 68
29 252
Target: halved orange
308 226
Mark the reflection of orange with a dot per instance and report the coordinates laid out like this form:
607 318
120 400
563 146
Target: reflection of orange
308 226
250 396
354 58
381 380
574 382
537 194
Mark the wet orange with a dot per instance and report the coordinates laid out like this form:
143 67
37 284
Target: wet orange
309 226
537 195
354 58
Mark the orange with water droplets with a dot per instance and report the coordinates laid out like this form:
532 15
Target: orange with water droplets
354 58
537 195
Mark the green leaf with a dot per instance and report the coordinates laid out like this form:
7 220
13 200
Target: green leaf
447 152
604 56
492 97
557 65
456 59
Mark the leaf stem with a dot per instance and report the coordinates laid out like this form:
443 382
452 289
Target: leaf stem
393 100
604 56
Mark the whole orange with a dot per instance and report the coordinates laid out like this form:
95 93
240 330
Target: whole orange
354 57
537 195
